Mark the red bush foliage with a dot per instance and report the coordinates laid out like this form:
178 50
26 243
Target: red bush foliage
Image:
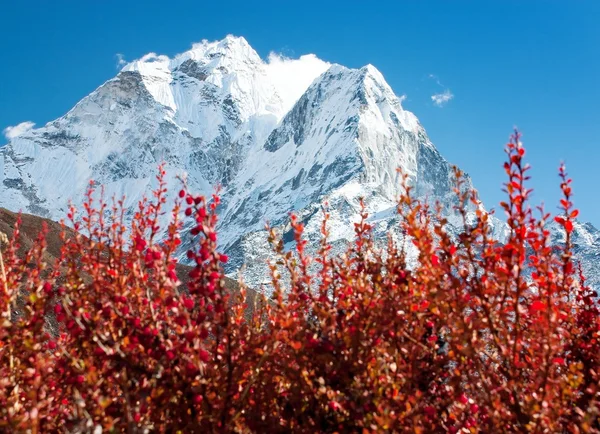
479 337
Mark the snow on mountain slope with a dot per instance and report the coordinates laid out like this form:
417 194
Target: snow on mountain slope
199 112
279 136
345 138
586 248
348 125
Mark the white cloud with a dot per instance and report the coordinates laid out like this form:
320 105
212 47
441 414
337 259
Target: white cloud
441 99
120 60
153 57
16 130
291 77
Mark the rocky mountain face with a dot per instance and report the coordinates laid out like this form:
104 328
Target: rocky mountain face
277 140
586 248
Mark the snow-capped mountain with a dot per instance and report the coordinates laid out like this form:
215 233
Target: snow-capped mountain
278 136
200 112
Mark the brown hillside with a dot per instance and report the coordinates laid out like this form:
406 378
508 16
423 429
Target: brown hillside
32 225
30 228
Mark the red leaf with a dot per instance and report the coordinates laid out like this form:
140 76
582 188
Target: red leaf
435 260
537 306
569 226
334 405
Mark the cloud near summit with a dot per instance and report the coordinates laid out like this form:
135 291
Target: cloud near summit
291 77
120 60
16 130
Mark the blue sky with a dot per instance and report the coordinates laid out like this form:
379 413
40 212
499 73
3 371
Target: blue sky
531 64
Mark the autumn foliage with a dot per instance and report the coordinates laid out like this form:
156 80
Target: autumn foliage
480 336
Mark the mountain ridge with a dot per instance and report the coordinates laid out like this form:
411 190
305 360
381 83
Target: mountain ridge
218 114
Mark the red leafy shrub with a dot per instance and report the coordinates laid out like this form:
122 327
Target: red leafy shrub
478 337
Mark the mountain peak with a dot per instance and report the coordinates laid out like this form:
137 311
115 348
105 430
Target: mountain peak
378 92
232 47
371 70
